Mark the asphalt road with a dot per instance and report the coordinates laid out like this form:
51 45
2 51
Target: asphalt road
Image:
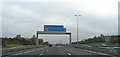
55 50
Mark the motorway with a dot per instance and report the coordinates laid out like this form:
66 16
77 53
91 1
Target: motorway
55 50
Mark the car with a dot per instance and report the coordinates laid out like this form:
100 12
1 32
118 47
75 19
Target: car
103 45
50 45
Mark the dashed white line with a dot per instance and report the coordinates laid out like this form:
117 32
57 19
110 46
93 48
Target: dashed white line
69 54
29 51
47 50
41 48
41 54
18 54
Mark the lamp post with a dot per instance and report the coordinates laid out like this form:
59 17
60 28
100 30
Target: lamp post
77 27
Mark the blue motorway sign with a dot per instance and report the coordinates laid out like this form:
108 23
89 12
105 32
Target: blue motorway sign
54 28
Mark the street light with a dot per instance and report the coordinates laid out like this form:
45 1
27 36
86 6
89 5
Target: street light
77 27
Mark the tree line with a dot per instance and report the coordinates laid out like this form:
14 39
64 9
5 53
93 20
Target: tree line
100 39
18 40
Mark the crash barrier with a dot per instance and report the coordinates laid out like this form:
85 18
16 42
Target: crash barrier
7 50
106 50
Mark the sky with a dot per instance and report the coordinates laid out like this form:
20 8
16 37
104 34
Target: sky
25 17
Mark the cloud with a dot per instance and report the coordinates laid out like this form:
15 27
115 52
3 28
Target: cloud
19 18
36 1
0 19
26 18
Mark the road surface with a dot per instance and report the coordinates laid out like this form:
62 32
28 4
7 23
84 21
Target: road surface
55 50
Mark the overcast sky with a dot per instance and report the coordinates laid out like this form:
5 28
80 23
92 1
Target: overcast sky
26 17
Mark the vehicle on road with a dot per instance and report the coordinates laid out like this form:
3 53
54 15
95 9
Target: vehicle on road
103 45
50 45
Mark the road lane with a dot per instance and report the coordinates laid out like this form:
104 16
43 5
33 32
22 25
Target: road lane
56 50
33 51
76 51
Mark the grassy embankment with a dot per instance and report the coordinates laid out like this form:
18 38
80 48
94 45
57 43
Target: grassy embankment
9 46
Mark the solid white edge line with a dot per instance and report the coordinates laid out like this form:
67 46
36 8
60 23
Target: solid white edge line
18 53
27 51
41 54
69 54
96 52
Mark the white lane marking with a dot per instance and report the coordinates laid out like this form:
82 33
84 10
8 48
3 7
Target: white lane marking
18 53
27 51
41 54
101 53
41 48
47 50
69 54
64 50
1 49
95 52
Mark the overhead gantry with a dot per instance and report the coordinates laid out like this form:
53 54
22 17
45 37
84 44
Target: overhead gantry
55 33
